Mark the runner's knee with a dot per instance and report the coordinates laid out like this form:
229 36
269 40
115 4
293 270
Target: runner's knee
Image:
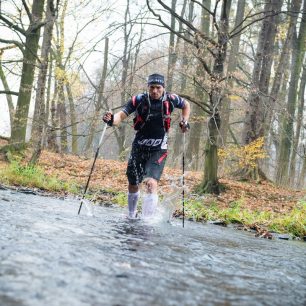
151 185
133 188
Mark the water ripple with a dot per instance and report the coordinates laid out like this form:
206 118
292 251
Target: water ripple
51 256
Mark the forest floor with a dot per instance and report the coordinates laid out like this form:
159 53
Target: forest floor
109 179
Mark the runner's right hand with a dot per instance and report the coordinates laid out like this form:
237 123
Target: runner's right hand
108 118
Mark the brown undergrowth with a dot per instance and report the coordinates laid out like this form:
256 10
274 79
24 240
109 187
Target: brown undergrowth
110 175
109 178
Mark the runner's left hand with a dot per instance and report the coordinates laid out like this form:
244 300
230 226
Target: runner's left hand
184 125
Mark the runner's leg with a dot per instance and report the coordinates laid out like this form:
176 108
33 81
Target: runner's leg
132 202
134 173
154 168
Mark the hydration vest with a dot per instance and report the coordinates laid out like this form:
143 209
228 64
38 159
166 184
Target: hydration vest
143 106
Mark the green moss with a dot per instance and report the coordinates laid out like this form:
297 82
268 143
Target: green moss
293 222
120 199
34 176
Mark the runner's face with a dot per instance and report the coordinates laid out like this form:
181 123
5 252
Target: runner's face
156 91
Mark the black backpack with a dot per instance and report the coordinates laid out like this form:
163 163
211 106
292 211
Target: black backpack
143 106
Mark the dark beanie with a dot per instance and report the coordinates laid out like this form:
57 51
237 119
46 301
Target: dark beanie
156 79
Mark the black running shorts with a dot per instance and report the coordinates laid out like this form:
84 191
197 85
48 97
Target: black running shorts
145 164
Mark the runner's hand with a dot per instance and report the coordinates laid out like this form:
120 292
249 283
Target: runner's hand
184 125
108 118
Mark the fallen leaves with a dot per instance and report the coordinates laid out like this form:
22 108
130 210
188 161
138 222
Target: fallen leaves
110 175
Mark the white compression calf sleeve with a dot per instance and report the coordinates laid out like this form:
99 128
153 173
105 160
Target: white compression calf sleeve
132 203
149 204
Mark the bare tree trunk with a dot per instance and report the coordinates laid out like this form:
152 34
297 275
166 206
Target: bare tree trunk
232 64
177 143
73 119
62 118
52 132
186 57
9 98
285 54
303 171
300 115
60 74
40 115
48 97
255 115
121 132
98 106
172 55
19 124
210 182
194 153
287 125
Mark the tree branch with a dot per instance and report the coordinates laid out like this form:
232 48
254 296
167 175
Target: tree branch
11 25
166 25
8 92
203 7
198 103
252 22
14 42
206 67
88 78
36 26
187 23
27 10
214 16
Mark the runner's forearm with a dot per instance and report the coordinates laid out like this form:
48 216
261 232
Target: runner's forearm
118 117
186 111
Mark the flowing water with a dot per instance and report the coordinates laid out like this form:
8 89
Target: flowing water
51 256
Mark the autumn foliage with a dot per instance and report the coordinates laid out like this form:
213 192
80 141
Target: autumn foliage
244 156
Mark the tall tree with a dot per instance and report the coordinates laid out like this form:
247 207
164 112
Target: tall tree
100 97
299 124
283 59
128 56
52 143
210 182
287 124
32 35
194 154
6 87
255 117
232 65
172 55
177 143
49 139
73 118
61 76
41 120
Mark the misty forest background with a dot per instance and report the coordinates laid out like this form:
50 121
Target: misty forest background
241 64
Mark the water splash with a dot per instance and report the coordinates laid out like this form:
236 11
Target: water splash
89 207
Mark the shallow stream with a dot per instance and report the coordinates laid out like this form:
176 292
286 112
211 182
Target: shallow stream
51 256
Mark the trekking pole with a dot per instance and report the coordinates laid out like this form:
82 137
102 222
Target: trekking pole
183 180
92 167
